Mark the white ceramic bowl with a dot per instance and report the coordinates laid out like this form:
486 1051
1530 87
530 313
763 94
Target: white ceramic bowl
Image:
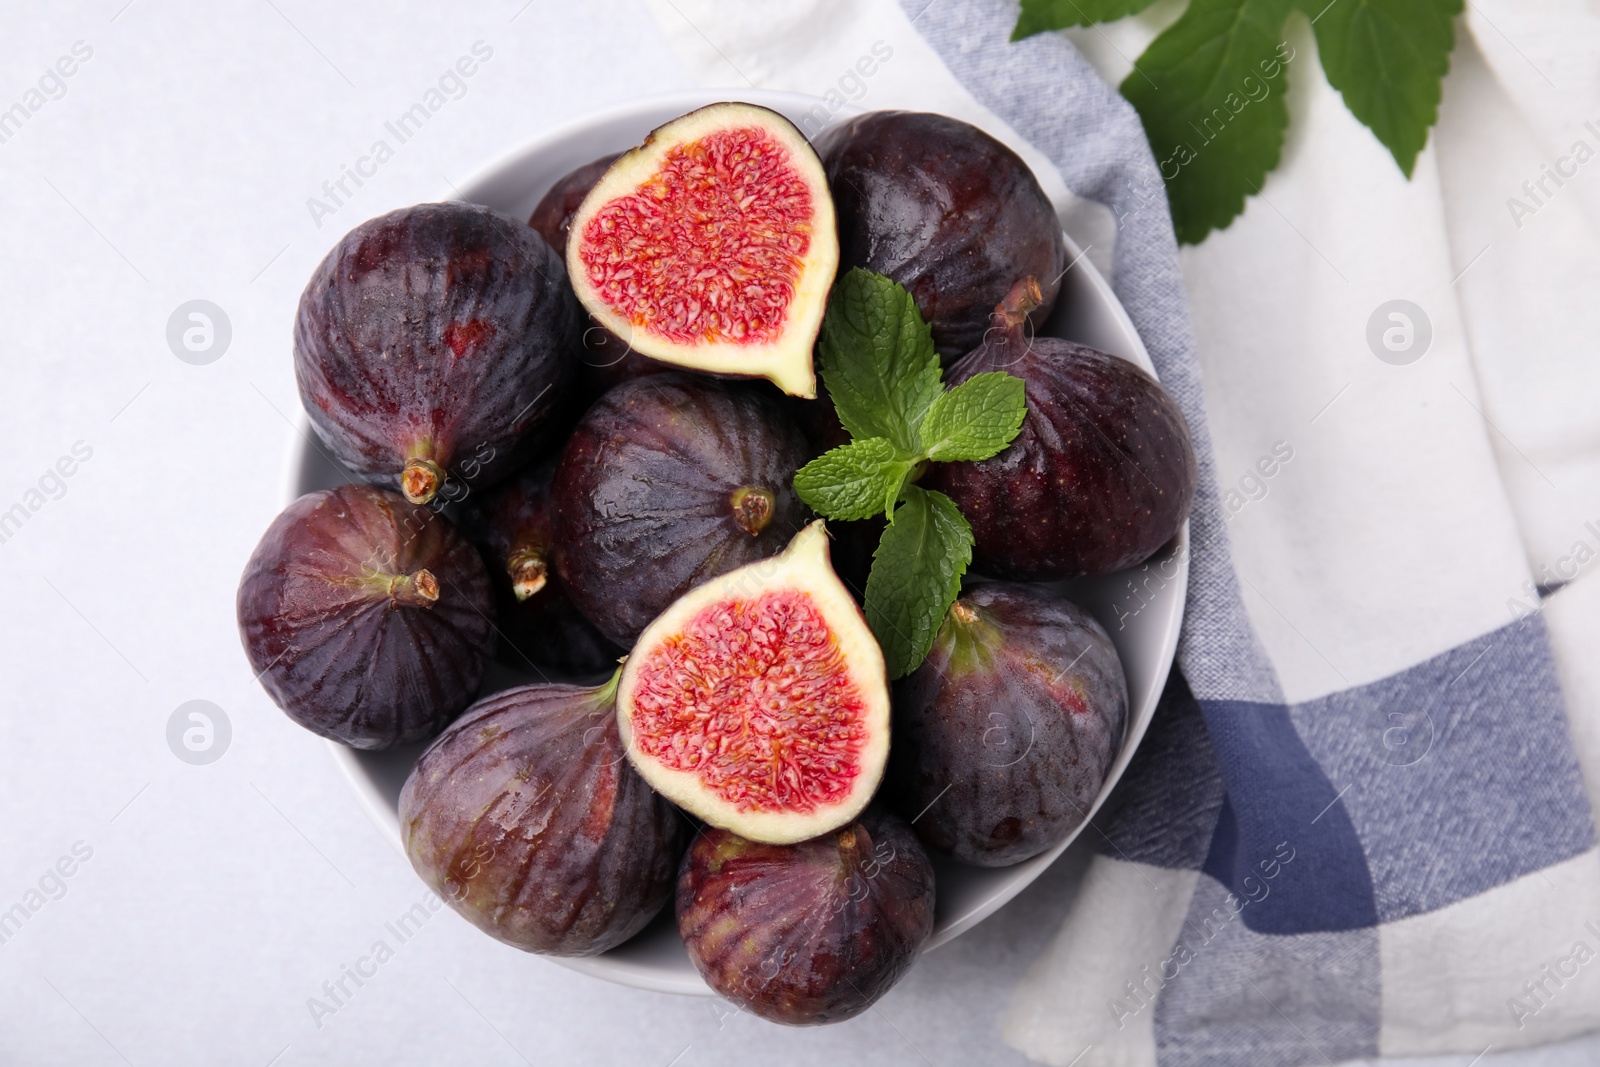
1143 624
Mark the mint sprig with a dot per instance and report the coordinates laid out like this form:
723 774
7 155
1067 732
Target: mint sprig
1211 87
879 365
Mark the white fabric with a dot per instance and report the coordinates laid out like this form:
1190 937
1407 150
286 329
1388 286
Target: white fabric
1573 619
1529 300
1062 1009
1499 950
1280 301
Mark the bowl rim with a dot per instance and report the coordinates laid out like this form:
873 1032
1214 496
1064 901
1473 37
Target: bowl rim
643 975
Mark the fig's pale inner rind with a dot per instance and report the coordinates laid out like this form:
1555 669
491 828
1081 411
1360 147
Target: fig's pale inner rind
712 246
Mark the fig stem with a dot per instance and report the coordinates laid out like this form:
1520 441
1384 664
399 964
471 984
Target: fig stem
1019 302
968 640
419 590
529 571
606 692
753 507
420 480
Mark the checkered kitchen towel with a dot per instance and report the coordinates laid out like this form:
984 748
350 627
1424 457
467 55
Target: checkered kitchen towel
1359 823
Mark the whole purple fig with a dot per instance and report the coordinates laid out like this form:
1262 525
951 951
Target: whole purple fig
1101 475
367 619
526 817
436 342
809 933
668 481
945 210
1003 737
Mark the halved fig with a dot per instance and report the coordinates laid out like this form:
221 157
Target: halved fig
527 819
367 619
758 701
712 246
809 933
435 343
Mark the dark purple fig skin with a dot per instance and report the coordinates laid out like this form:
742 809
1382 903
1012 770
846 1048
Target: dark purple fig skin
608 361
945 210
511 525
552 217
336 621
818 419
643 493
441 333
526 818
854 542
1005 734
808 933
1101 475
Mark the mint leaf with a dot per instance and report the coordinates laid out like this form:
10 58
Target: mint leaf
976 419
916 576
1210 90
854 481
1387 61
1040 15
878 360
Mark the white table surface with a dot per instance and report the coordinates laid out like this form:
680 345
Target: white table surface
217 899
